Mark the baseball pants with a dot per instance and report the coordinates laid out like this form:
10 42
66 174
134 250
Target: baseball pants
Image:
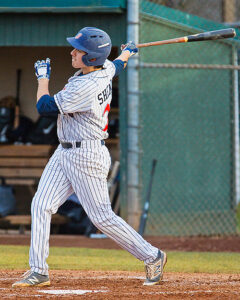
84 171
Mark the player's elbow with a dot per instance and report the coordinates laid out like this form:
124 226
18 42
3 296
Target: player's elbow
40 108
46 105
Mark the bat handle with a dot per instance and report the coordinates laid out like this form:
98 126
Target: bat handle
124 45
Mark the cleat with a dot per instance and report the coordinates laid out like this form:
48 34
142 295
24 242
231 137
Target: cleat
154 270
32 279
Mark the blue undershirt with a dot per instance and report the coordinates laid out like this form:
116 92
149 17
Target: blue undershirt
119 65
46 105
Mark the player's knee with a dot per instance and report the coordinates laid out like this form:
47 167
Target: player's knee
104 221
39 205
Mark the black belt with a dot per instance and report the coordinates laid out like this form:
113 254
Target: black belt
78 144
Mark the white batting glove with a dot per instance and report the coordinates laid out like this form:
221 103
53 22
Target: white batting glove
43 69
131 47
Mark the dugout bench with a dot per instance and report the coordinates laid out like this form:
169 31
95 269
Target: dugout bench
23 165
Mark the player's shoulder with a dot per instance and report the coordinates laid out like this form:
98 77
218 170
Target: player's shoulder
107 71
79 78
77 83
108 64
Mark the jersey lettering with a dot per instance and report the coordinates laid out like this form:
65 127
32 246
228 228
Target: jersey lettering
103 96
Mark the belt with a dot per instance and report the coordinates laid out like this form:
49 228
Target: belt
67 145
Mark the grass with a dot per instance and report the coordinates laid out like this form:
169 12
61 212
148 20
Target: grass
16 257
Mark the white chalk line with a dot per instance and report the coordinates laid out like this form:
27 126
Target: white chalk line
71 292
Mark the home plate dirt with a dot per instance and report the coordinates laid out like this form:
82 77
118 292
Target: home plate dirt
123 285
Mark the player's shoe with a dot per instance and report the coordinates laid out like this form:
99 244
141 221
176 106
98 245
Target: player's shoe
31 279
154 270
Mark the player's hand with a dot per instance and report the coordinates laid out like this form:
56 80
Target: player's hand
131 47
43 69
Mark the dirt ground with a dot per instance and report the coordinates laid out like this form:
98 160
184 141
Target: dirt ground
127 285
100 285
212 244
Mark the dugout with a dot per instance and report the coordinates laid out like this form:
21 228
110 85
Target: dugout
188 122
32 30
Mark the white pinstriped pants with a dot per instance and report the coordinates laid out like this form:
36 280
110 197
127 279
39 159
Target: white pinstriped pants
84 171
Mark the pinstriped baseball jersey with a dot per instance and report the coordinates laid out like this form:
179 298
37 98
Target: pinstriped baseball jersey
84 104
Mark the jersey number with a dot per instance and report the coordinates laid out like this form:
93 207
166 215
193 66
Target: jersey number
105 115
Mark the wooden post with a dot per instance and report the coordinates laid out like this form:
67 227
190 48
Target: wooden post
229 11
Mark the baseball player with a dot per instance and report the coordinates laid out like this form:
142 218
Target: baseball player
81 162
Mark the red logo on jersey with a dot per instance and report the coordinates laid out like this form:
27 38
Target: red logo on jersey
106 110
78 36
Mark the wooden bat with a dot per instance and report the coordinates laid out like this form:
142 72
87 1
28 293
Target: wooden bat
144 215
17 105
204 36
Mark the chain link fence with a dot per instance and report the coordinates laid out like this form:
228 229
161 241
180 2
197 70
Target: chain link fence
221 11
189 118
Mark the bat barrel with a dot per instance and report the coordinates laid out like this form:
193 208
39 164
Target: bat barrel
212 35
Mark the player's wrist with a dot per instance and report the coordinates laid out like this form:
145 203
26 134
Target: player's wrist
45 76
130 48
127 51
43 80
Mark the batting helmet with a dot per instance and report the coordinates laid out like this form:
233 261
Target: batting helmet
95 42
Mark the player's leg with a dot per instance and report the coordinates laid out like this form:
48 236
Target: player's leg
93 195
89 180
53 190
94 199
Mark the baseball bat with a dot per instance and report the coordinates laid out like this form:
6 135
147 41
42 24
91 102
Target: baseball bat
17 105
204 36
144 215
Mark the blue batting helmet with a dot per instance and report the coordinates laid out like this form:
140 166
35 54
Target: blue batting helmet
95 42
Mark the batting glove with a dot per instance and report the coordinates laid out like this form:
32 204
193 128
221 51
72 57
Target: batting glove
42 69
131 47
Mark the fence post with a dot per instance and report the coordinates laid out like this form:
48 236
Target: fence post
236 126
133 205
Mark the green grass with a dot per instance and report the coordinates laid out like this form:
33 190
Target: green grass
16 257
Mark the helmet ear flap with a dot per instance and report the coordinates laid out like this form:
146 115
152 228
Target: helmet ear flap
88 61
85 60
